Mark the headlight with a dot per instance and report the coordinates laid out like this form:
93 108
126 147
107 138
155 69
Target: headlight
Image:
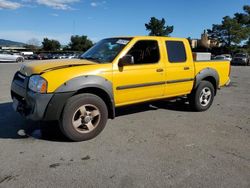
38 84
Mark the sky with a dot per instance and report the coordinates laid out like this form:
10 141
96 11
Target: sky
24 20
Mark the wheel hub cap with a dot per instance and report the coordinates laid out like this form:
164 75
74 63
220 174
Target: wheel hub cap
205 96
86 118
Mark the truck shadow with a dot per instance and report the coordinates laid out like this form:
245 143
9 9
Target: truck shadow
180 105
13 126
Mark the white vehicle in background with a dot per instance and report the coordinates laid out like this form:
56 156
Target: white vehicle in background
228 57
27 55
219 57
10 57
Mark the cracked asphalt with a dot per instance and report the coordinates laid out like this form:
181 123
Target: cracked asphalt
160 144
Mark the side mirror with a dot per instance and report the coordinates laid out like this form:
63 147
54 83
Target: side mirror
126 60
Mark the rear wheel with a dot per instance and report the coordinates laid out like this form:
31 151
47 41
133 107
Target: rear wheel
202 97
84 117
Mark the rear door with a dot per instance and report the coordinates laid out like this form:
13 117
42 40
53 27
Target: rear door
179 67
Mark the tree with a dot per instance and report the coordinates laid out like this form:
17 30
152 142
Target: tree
158 28
244 18
232 31
33 44
228 32
80 43
51 45
248 43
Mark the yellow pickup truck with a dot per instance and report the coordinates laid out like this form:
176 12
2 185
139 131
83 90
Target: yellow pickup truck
83 93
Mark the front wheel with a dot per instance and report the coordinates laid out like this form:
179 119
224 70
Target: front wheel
202 97
19 60
84 117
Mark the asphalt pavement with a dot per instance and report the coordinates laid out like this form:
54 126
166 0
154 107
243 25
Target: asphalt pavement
160 144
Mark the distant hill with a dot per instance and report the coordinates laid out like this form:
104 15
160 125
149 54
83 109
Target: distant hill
10 43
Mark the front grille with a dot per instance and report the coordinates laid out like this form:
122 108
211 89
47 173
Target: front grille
20 79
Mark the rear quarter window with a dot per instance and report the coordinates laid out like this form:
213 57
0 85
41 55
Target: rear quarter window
176 51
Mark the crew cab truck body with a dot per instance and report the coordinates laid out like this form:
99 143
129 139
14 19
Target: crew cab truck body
82 94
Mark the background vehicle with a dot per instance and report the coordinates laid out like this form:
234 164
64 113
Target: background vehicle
228 57
10 57
220 57
241 59
83 93
27 55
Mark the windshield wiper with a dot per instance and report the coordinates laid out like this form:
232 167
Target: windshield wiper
92 59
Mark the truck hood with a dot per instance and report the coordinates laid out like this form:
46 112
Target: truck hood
39 67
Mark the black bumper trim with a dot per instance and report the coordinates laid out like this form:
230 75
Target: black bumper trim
56 105
31 105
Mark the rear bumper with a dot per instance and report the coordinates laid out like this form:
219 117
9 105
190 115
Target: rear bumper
228 82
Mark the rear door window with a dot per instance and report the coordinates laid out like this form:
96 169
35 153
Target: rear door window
176 51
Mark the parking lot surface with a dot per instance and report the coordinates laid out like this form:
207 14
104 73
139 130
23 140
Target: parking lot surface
160 144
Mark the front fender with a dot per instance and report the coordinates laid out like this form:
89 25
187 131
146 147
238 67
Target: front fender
82 82
71 87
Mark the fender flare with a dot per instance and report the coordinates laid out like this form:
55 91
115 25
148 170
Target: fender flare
82 82
73 86
205 73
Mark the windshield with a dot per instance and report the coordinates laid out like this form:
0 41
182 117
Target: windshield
106 50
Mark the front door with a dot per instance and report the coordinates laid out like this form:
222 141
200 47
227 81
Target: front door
142 80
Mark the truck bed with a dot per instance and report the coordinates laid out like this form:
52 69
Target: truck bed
222 67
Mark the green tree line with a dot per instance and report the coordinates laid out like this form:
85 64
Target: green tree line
233 33
77 43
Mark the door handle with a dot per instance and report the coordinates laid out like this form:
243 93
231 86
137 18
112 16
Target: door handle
186 68
159 70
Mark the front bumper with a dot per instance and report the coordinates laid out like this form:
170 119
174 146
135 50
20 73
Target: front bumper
36 106
26 102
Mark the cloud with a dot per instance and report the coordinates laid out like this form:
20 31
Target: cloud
4 4
97 3
93 4
54 14
58 4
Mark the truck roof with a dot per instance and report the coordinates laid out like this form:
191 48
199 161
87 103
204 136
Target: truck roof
151 37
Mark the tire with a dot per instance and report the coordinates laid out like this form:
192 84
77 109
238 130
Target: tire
19 60
84 117
202 97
